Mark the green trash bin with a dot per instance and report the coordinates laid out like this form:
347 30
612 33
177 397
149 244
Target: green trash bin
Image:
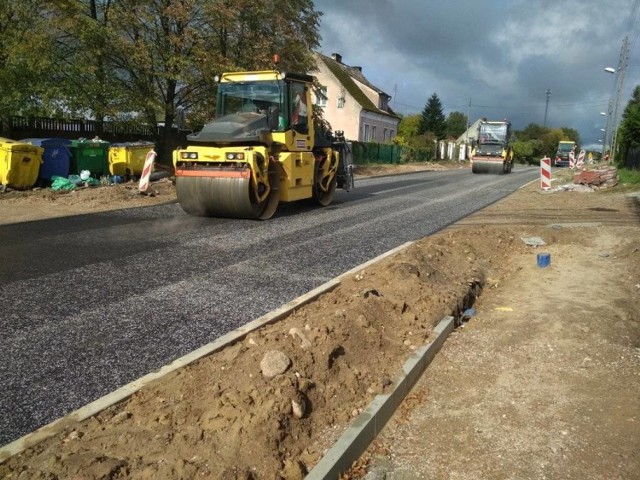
92 155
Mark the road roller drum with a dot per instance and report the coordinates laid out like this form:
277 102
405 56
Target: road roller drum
227 194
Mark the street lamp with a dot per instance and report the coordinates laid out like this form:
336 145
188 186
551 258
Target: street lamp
610 69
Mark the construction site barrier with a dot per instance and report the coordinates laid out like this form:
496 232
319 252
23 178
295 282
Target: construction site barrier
545 173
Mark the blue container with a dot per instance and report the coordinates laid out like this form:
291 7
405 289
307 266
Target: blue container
544 260
56 157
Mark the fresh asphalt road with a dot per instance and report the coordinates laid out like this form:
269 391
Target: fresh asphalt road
92 302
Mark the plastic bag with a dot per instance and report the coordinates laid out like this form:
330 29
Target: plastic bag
92 182
61 183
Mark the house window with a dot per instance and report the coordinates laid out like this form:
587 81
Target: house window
340 103
384 135
391 134
373 133
367 133
321 97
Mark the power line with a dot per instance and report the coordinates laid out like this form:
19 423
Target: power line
593 103
555 106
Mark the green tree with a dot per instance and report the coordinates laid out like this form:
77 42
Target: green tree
549 141
629 130
85 37
543 141
456 124
433 119
571 134
409 125
23 86
533 131
152 59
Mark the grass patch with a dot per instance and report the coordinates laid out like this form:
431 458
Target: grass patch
631 177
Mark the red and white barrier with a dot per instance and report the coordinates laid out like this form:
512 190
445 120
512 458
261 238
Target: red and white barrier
545 173
580 162
146 171
572 160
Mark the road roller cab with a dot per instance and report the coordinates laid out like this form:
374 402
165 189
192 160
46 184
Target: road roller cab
260 150
492 152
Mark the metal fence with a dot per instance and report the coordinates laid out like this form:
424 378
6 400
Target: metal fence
632 160
364 153
44 127
382 153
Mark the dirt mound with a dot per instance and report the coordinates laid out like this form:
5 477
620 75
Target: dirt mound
222 417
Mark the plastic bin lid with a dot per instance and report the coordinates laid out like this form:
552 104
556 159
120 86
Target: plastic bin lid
133 144
14 145
86 142
47 142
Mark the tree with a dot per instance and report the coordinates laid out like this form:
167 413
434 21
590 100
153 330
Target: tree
456 124
533 131
550 141
433 119
629 130
84 35
151 59
409 125
571 134
537 141
25 60
523 151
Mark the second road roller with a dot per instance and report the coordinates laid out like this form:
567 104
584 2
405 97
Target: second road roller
492 152
261 149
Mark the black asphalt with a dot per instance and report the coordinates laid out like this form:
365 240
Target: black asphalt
92 302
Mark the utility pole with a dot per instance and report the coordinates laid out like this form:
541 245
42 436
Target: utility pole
546 108
606 141
468 120
622 67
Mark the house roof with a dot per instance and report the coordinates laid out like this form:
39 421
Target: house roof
345 75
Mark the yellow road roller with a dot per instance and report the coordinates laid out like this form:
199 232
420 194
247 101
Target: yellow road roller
261 149
492 152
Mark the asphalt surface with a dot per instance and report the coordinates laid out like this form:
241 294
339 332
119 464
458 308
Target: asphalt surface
93 302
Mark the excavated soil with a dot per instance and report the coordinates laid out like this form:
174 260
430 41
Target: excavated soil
270 405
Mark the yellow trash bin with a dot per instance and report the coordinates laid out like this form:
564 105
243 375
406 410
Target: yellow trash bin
19 163
128 158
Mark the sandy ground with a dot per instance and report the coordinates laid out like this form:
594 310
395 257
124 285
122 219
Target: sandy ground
543 382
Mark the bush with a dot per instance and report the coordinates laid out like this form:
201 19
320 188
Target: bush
416 154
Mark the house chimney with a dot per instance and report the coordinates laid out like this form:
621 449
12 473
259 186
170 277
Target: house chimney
337 57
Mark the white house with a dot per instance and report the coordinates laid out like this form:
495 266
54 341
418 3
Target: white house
352 104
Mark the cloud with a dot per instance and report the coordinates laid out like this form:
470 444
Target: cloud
501 55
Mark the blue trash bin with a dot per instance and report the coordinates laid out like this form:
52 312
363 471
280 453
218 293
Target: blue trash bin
56 157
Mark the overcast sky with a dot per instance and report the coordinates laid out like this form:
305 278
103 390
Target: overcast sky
499 55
